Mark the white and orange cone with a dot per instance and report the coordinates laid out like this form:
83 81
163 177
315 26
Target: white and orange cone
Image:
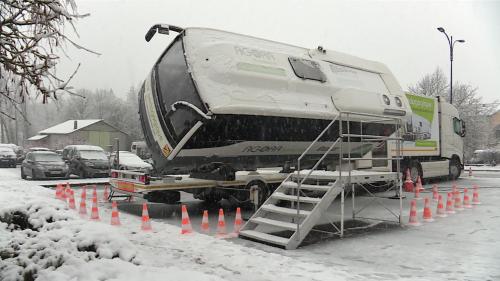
413 221
458 202
449 204
94 192
238 221
94 214
83 204
417 193
440 212
408 184
68 190
435 192
221 225
59 189
146 223
105 194
467 204
186 227
205 227
71 201
115 219
419 184
475 195
427 215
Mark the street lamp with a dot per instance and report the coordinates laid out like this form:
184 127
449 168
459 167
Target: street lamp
451 42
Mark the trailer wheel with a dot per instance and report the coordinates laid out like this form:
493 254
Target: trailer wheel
260 187
416 170
455 169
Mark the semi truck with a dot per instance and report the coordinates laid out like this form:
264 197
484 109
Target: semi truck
217 103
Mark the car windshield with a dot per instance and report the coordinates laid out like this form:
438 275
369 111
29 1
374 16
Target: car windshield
47 157
93 154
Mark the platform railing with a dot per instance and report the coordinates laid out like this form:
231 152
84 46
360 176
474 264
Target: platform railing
347 116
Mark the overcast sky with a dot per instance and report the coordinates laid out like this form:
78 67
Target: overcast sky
401 34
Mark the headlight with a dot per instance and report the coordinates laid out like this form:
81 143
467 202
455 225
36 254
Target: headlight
386 99
398 101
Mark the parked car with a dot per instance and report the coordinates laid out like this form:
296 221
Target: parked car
7 157
129 161
86 161
42 165
17 149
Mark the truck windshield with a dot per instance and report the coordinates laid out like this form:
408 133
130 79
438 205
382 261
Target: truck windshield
175 84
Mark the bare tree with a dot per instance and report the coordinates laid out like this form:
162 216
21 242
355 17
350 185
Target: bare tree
433 84
31 33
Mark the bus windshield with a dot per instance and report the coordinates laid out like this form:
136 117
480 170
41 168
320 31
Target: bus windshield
174 84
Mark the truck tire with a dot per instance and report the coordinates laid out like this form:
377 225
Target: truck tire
416 170
263 190
455 169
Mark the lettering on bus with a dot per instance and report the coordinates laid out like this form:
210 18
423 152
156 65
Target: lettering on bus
262 148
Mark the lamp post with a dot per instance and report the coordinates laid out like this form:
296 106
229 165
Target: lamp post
451 43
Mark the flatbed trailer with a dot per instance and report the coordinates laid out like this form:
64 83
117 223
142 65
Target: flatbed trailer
258 183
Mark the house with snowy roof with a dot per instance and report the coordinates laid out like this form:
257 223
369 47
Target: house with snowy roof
88 131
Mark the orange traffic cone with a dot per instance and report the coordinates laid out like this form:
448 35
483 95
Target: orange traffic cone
475 195
83 203
205 227
458 202
94 192
413 221
221 225
435 192
417 192
105 194
467 204
449 204
146 223
237 222
419 184
94 214
71 202
440 208
115 219
67 190
427 216
408 184
186 227
59 188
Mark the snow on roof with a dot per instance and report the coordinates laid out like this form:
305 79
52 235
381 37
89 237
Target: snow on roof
68 126
37 137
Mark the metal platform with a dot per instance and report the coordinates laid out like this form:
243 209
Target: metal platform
304 197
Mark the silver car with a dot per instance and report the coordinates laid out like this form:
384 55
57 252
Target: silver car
42 165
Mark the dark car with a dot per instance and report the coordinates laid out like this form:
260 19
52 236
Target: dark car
7 157
86 161
42 165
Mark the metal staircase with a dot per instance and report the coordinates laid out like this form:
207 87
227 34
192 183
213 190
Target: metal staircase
298 204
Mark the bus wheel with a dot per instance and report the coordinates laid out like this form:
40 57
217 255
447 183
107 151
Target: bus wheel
258 192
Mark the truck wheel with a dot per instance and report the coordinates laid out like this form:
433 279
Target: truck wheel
455 169
415 170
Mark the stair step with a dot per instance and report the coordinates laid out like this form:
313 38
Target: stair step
277 223
284 211
291 184
269 238
282 196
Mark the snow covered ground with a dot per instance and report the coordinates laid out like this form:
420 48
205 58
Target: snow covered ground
54 243
482 168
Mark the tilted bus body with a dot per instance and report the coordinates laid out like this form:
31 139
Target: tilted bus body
216 96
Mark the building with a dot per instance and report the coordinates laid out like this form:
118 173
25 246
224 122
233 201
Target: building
89 131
